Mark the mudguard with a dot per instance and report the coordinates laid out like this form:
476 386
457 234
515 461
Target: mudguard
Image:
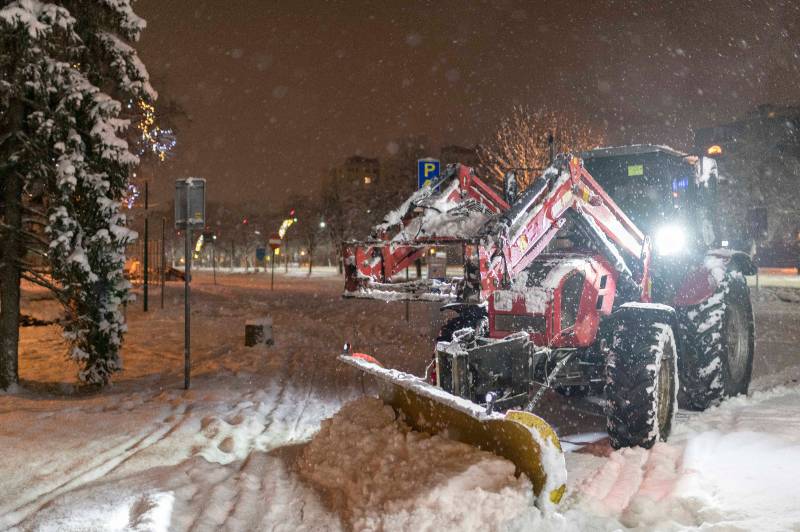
702 281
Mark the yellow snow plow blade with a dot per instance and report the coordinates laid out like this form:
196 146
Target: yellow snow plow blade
521 437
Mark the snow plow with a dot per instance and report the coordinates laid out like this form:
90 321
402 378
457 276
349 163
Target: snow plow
574 297
521 437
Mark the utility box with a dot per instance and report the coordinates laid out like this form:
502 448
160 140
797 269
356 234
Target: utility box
190 202
258 332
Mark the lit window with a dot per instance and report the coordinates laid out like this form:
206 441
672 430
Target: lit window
367 180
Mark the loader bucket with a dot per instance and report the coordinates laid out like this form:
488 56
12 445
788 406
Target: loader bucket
521 437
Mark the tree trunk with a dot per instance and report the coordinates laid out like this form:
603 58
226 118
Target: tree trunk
11 249
10 276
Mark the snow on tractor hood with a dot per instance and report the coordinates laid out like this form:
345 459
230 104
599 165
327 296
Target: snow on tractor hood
548 273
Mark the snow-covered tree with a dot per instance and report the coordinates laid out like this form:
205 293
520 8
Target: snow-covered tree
70 81
521 141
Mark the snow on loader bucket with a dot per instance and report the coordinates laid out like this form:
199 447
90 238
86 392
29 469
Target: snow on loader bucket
521 437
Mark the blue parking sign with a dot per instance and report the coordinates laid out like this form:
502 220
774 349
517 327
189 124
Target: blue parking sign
427 171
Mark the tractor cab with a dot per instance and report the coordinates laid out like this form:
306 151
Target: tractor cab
666 193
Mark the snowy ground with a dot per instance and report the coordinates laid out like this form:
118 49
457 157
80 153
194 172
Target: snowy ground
232 453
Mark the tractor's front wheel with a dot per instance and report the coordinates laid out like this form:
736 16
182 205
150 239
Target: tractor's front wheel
640 381
474 317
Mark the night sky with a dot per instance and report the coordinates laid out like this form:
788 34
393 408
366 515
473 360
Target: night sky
276 92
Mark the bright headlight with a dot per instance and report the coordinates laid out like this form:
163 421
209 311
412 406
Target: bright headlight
670 240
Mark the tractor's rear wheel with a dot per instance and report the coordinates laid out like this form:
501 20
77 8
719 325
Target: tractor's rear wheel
718 336
640 381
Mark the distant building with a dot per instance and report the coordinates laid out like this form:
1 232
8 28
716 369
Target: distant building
459 154
358 170
759 162
774 126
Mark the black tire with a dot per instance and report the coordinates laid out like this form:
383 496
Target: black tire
719 342
578 390
474 318
471 317
641 382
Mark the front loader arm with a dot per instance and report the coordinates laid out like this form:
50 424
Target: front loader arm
452 210
566 190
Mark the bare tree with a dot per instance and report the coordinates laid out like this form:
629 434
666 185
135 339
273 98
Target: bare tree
520 142
309 228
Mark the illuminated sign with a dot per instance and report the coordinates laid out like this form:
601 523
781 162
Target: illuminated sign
427 171
635 169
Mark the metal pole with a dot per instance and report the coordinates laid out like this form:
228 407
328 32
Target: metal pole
187 272
272 279
286 257
163 258
146 244
214 260
406 299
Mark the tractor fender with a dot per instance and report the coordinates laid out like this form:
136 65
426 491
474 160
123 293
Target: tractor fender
660 312
702 281
654 311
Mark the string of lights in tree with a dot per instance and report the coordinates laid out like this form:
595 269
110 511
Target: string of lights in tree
131 195
158 140
155 139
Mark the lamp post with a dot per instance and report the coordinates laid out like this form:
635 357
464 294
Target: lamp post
190 207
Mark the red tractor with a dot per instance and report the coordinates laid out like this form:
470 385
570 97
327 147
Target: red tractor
573 295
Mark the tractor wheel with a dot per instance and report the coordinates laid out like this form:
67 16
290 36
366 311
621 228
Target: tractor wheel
641 382
719 337
578 390
474 318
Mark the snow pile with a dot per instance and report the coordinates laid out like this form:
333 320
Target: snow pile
380 475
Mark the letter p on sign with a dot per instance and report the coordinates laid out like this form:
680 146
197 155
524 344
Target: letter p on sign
427 171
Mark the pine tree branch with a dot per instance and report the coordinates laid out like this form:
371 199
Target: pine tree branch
30 210
39 251
37 278
27 234
30 267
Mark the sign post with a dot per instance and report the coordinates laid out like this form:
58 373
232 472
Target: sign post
190 211
146 245
163 258
274 243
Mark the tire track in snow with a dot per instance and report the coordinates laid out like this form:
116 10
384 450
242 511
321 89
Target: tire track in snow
183 410
201 518
242 492
103 465
632 482
237 490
